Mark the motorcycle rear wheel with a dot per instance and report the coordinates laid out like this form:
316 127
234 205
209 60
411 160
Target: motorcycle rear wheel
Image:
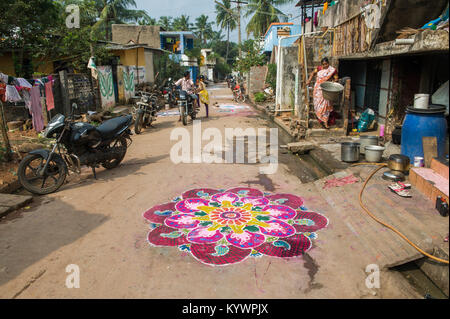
30 179
116 162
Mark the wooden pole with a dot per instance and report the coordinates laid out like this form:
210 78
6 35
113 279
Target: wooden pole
3 128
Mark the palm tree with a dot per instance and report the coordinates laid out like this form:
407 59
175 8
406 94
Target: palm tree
147 21
203 28
182 24
263 12
165 22
226 19
117 11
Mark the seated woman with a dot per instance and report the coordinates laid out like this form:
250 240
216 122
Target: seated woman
322 107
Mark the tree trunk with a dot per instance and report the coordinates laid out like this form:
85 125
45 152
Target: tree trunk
228 45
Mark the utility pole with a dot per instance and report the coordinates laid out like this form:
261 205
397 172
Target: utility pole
238 3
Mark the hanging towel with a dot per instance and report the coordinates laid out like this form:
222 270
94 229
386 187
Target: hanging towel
12 95
325 7
36 109
49 96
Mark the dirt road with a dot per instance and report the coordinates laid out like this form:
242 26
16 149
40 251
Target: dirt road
98 226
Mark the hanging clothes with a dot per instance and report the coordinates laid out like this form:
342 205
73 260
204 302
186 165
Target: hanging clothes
26 96
3 92
12 95
325 7
36 109
3 78
23 84
49 96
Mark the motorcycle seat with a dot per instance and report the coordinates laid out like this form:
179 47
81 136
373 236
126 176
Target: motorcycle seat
111 127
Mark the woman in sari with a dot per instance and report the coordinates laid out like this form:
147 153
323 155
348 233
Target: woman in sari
322 107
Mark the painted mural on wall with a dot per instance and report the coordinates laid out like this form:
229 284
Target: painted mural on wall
139 72
127 85
223 227
106 86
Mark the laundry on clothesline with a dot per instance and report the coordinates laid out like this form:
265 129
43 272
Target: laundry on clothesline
12 95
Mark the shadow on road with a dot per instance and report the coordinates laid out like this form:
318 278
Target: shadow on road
27 236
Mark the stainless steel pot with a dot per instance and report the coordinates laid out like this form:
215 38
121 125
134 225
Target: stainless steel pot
367 141
350 152
399 163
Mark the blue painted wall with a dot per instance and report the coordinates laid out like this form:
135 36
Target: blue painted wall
271 38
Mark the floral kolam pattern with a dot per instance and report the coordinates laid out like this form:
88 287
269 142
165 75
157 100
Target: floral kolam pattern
223 227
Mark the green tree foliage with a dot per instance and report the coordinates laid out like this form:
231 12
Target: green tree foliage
165 22
263 13
251 57
272 75
203 28
182 23
116 12
226 19
168 68
24 26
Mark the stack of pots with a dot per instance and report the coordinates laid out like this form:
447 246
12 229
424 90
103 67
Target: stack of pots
370 148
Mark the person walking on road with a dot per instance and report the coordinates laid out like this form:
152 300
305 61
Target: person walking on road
204 95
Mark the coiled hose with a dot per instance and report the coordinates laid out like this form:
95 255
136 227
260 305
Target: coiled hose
381 166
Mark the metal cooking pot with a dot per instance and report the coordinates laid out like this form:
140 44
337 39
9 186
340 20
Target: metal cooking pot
399 163
350 152
367 141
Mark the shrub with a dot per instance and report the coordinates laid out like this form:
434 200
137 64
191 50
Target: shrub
272 76
260 97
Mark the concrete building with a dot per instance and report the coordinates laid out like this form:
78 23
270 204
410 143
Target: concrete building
179 42
135 46
386 51
207 64
277 30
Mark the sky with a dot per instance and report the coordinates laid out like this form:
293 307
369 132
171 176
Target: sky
195 8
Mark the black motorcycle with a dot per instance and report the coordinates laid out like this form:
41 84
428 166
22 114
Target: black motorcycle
169 93
186 106
43 172
145 111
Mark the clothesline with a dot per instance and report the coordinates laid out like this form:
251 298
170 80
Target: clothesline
30 92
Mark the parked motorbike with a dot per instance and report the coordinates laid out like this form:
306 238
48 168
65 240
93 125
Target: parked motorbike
169 93
43 172
145 111
186 106
238 93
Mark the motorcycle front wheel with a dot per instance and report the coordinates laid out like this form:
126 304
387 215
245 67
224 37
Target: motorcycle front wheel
139 123
41 184
184 116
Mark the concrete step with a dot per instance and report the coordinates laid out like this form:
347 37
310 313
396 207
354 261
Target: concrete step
9 203
440 166
430 183
416 220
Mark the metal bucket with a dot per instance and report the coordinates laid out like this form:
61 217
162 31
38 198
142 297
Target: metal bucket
332 91
374 153
421 101
367 141
350 152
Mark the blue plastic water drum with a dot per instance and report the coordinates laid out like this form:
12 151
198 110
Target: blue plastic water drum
421 123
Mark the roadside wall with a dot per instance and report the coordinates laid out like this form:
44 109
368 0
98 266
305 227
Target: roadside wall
290 79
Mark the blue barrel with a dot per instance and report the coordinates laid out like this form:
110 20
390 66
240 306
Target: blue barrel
421 123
